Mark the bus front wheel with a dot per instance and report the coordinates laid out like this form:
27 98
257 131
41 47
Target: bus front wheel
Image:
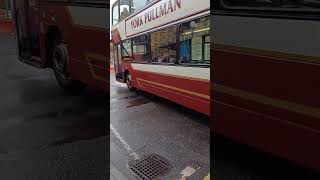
60 59
129 82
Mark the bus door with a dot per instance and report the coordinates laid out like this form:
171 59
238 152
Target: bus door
28 27
117 65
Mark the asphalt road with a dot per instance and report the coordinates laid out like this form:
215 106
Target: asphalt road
234 161
48 134
143 124
44 132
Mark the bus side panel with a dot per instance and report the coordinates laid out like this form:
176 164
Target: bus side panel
90 37
87 41
279 137
268 96
91 55
192 93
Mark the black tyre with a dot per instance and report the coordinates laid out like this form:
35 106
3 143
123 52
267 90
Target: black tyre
129 82
60 60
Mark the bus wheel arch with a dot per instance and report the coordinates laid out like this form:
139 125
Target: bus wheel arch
58 60
128 80
53 34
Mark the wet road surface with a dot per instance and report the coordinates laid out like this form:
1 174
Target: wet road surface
148 124
143 124
234 161
44 132
47 134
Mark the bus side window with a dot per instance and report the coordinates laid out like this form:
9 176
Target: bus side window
126 50
138 4
118 46
163 45
207 52
140 48
194 42
115 13
124 9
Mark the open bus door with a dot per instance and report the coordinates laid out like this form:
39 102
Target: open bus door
117 66
26 14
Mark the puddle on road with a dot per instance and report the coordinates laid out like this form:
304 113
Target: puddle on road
86 119
14 76
138 102
80 124
122 90
58 114
47 115
129 97
85 129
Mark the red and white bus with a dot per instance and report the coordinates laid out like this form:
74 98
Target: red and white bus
163 47
69 36
266 76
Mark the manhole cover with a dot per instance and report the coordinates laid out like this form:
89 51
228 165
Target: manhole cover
150 167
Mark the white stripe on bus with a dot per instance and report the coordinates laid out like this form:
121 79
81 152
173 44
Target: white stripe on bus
192 72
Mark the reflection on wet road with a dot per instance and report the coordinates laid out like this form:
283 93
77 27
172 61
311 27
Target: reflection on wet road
44 132
137 102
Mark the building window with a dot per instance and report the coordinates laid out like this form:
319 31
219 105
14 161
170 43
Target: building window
115 13
195 41
124 9
163 46
140 48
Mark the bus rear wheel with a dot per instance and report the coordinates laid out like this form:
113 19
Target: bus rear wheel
129 82
60 59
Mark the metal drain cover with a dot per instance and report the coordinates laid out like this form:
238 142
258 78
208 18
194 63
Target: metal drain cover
150 167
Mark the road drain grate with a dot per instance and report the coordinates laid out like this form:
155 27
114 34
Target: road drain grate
150 167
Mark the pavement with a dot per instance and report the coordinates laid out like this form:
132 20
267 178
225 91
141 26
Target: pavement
142 124
44 132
